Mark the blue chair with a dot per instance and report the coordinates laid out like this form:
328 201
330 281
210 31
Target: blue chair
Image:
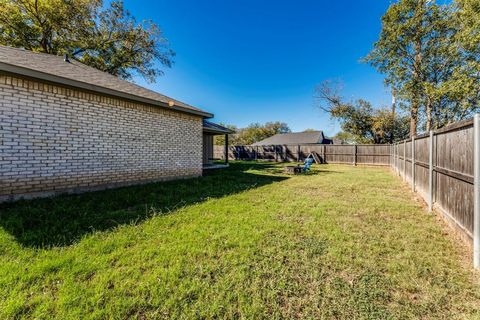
307 164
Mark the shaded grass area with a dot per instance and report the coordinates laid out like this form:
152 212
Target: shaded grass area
245 242
60 221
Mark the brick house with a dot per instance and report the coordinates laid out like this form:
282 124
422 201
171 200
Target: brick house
67 127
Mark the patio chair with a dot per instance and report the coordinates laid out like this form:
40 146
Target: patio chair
307 164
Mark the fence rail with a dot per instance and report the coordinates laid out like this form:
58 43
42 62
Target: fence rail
352 154
442 166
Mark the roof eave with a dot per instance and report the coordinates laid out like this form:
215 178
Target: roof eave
214 131
8 68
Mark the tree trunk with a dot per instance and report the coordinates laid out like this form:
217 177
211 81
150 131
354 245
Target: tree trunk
417 75
429 110
416 94
394 102
413 119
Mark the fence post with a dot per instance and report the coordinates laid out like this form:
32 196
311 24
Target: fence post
391 156
430 173
476 191
276 153
324 154
298 153
395 153
395 157
398 159
355 155
413 164
405 160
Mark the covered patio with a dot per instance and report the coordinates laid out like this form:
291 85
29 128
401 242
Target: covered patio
210 130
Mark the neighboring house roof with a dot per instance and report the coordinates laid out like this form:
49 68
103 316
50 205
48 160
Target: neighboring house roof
308 137
54 69
214 128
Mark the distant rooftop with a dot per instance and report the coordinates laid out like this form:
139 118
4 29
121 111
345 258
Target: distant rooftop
308 137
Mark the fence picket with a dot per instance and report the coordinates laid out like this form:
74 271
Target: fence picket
413 164
476 192
430 172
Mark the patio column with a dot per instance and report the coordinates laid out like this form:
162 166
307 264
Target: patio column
226 148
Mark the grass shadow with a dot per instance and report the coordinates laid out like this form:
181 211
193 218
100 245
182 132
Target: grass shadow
60 221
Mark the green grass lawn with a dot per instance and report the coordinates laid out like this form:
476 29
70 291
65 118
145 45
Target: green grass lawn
246 242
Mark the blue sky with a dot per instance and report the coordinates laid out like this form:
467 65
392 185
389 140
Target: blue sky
257 61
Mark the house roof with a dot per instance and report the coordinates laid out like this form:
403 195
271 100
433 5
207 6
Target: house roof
308 137
54 69
214 128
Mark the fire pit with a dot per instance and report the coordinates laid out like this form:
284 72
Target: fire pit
293 169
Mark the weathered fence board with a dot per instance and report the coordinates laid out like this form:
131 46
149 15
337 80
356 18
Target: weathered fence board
421 165
349 154
452 169
439 166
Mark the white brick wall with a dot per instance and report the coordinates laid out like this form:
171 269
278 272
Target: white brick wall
54 140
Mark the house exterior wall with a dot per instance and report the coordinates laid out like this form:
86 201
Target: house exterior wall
57 140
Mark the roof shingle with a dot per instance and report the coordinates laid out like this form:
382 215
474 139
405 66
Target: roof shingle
74 73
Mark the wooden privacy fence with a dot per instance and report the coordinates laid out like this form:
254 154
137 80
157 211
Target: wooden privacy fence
328 153
443 166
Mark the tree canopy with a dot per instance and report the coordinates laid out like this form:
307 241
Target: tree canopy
343 137
253 133
360 122
429 54
105 37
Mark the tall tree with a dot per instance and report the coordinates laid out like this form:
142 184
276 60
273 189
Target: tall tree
404 47
359 119
464 84
429 54
106 37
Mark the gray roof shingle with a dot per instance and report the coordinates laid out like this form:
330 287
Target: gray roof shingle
308 137
55 69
